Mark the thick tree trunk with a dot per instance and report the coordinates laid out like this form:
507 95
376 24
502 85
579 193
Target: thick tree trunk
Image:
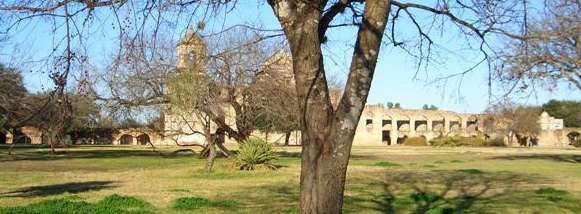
287 138
210 148
225 151
327 134
211 157
323 173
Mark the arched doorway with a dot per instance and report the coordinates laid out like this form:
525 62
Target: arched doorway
400 140
126 139
22 139
573 137
2 138
386 130
143 139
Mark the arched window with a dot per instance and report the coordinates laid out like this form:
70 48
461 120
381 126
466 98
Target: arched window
126 139
143 139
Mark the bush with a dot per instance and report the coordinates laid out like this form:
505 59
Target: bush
473 141
498 142
415 141
254 153
446 141
455 141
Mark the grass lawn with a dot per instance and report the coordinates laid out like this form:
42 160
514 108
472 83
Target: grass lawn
120 179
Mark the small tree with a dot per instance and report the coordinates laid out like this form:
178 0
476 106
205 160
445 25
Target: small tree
513 120
397 106
13 111
199 102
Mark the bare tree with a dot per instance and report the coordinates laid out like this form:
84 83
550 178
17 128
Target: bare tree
327 131
549 52
512 120
199 102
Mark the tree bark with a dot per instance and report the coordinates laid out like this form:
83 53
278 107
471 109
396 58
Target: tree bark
327 135
287 138
211 157
211 149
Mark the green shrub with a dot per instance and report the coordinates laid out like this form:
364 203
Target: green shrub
446 141
473 141
254 153
455 141
415 141
193 203
496 142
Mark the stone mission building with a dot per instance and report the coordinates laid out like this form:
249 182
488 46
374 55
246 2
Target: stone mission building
378 125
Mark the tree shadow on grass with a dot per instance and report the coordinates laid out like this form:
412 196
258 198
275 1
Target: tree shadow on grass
287 154
87 154
435 191
462 191
552 157
441 191
57 189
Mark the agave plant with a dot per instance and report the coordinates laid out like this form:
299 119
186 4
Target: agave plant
255 153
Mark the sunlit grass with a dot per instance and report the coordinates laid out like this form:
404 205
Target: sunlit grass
380 180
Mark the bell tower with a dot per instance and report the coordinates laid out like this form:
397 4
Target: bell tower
191 52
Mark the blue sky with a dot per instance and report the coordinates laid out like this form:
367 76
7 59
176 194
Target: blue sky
394 81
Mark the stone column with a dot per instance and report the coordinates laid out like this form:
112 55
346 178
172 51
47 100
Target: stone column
9 137
114 140
393 134
446 126
463 126
134 140
412 127
429 133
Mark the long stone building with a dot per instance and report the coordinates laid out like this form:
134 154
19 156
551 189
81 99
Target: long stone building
384 126
378 125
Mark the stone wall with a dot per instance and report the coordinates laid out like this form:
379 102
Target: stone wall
382 126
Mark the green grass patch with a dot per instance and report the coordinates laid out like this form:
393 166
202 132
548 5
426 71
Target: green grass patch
73 205
429 166
552 194
194 203
471 171
179 190
386 164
